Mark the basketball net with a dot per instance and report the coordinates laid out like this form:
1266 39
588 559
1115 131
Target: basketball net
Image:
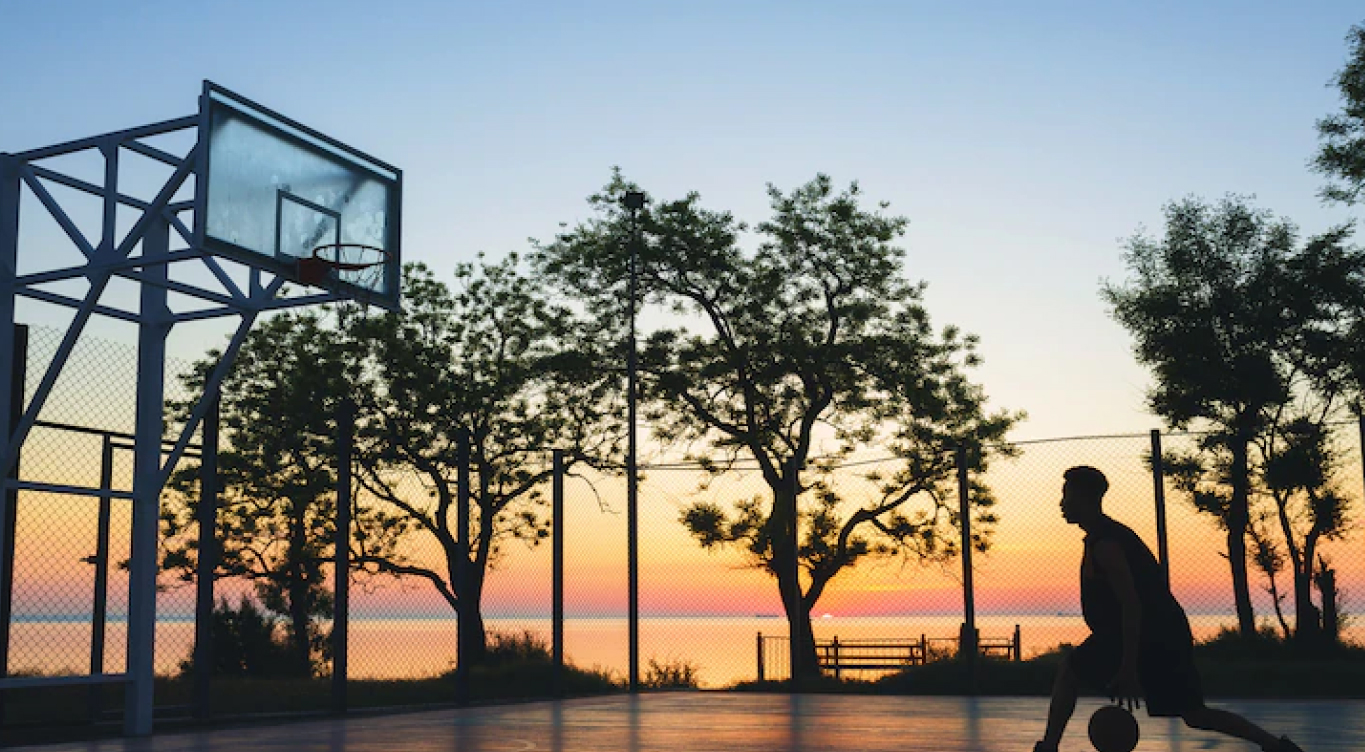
354 264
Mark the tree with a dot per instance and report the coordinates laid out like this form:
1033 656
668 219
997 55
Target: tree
1241 328
277 477
491 359
244 644
1342 152
805 351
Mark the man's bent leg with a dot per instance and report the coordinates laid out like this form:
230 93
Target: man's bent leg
1064 691
1227 722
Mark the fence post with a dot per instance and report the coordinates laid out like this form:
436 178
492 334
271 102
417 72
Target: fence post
923 649
1159 484
837 668
462 549
9 501
557 571
101 562
967 640
1018 645
341 564
208 562
760 656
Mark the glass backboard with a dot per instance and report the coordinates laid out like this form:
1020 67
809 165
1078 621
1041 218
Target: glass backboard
275 190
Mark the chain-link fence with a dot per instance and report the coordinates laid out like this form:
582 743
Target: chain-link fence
67 610
708 616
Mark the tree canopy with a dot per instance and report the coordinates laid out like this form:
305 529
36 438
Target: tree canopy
277 476
1247 335
492 359
795 355
1341 155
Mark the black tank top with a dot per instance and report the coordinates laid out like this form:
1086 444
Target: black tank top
1163 620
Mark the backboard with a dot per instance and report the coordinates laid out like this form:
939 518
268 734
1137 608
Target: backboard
273 190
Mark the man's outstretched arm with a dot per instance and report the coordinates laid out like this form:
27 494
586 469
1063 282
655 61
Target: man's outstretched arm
1109 556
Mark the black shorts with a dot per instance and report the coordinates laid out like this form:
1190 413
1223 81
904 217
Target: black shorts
1170 681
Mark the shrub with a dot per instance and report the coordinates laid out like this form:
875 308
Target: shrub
246 642
523 647
672 674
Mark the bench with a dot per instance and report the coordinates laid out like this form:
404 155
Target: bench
892 654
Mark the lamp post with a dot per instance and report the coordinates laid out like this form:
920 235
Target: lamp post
634 201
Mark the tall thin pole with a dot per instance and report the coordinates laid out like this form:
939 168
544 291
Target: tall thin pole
1360 424
155 325
967 640
11 392
557 571
1159 487
14 345
9 500
208 563
634 201
101 561
463 594
341 565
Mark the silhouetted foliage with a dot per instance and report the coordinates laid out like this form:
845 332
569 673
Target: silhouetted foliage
1342 153
246 642
277 477
490 356
795 355
1249 337
670 674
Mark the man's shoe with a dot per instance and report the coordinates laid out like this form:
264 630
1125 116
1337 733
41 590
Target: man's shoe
1044 747
1286 745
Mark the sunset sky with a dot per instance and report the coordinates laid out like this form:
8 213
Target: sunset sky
1022 140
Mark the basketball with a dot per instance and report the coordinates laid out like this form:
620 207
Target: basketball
1113 729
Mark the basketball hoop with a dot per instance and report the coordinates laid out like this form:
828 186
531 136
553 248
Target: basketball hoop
356 265
353 263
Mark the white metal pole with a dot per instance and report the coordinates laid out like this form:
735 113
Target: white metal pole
10 409
151 361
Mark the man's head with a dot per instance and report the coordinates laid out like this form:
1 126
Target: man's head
1083 489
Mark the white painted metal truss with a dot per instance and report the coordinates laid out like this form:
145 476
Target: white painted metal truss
142 256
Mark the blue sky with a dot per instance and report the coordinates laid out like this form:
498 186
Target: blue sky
1023 141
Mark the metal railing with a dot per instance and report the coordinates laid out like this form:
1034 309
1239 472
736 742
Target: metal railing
835 657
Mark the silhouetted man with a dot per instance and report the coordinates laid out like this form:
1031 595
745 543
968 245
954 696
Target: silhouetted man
1140 646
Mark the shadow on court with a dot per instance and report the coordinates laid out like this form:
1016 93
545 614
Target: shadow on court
730 722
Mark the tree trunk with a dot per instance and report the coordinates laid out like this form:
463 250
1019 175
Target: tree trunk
299 624
1307 622
807 666
784 535
297 588
804 663
476 636
1327 586
1275 598
475 633
1239 517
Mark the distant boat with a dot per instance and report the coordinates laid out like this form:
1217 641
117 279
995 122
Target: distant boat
766 616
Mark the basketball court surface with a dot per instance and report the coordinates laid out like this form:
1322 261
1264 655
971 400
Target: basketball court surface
731 722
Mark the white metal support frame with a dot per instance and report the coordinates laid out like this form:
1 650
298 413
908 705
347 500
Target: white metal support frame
143 256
